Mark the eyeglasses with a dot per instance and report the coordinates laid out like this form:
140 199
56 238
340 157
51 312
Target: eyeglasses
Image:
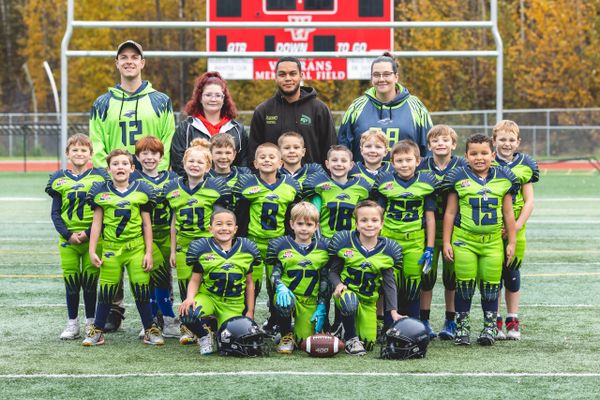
218 96
384 75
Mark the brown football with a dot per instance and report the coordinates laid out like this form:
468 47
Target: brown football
322 345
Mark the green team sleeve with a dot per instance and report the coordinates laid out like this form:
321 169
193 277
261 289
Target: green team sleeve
97 138
166 135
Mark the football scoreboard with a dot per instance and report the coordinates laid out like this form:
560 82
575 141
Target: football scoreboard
282 41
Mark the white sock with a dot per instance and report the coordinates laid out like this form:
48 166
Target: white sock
511 315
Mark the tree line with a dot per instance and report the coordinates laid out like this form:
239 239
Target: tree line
550 50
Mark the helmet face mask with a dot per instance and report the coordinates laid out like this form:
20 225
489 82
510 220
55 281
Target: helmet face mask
407 338
241 336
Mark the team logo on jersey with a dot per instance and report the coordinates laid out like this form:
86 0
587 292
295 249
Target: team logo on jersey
365 265
254 190
129 113
271 119
175 194
109 254
77 186
209 257
406 195
342 196
272 197
227 267
389 186
191 202
305 120
304 263
105 196
61 182
484 193
123 204
349 253
326 186
465 183
288 254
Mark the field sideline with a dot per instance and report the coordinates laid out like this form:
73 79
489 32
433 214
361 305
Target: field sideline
557 358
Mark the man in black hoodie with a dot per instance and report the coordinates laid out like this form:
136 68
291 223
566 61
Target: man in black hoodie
293 108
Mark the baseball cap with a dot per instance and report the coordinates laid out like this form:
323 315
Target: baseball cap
131 44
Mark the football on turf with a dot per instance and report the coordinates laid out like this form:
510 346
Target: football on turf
322 345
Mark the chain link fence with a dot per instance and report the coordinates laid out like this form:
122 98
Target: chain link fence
546 133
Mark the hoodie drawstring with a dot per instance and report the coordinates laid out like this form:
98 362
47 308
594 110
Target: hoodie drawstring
122 103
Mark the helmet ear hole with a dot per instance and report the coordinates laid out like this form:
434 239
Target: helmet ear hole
242 337
406 338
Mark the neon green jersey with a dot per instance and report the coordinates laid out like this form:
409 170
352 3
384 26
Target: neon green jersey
441 198
337 200
362 268
161 213
304 172
405 202
268 203
300 267
119 119
192 208
223 272
526 170
360 169
72 213
480 200
122 220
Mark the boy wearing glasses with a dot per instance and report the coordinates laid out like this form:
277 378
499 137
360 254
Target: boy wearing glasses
293 108
387 105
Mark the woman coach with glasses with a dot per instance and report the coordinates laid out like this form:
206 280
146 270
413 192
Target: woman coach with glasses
211 110
387 105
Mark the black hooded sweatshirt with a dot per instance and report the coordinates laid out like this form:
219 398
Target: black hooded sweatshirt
308 116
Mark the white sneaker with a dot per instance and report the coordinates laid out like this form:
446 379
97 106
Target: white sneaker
153 336
206 344
71 330
95 337
355 347
287 344
171 327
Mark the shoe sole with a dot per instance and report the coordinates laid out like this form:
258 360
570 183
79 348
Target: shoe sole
509 337
153 344
70 337
463 343
285 351
86 344
166 335
446 336
187 342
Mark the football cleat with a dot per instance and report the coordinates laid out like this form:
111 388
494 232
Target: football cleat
95 337
448 331
500 335
489 331
286 344
512 330
71 330
186 336
206 344
355 347
171 327
430 332
463 330
153 336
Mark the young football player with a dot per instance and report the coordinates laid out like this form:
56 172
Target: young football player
373 148
72 219
299 277
336 195
291 145
479 205
192 200
506 141
222 149
441 141
361 263
149 152
409 202
269 197
122 216
221 285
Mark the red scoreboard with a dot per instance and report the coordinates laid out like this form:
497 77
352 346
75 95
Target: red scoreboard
287 40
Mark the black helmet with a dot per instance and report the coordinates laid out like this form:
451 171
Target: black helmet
406 338
241 336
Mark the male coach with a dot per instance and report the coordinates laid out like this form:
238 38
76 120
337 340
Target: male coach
119 118
293 108
130 110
